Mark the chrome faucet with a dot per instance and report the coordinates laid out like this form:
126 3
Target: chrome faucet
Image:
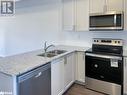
46 47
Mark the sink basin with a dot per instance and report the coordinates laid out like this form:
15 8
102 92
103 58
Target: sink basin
47 55
52 53
57 51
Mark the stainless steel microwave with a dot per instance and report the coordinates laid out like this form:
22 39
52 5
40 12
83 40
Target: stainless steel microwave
106 21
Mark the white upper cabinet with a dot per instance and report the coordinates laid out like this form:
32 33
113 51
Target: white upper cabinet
68 14
125 14
115 5
75 15
96 6
99 6
82 15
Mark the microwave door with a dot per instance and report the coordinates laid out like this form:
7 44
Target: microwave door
106 22
102 21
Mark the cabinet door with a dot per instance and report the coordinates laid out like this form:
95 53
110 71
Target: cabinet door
82 15
68 15
111 5
125 75
115 5
96 6
69 70
80 67
57 76
125 14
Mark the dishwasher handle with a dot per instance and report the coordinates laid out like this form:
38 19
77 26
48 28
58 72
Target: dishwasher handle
34 73
38 75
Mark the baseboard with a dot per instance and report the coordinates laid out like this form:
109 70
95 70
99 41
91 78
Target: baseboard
68 87
79 82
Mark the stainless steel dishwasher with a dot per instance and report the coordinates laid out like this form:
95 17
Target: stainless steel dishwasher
35 82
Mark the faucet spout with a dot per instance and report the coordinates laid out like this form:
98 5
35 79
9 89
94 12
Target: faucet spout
46 47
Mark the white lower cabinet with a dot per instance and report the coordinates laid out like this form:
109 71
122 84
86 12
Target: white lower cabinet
62 74
57 76
125 75
80 67
69 70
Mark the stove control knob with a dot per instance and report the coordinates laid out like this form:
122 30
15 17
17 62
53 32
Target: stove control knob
119 42
115 41
96 66
102 77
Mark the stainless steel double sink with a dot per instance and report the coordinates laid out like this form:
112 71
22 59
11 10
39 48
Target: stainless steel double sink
52 53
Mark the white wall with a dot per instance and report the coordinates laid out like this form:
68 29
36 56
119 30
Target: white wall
2 39
39 22
85 38
29 28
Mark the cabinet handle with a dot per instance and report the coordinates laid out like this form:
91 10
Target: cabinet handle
125 62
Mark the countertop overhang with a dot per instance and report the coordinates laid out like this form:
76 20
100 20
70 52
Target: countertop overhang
19 64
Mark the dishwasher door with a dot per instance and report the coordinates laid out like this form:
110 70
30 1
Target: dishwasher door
36 82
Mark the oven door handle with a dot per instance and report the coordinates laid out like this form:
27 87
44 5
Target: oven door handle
104 56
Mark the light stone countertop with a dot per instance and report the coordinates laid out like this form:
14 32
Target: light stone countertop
125 53
125 50
19 64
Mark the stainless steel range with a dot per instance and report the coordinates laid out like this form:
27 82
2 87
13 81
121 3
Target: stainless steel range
104 66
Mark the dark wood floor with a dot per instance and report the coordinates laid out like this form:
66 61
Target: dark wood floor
80 90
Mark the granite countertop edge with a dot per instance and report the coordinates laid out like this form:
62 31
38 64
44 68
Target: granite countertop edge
21 63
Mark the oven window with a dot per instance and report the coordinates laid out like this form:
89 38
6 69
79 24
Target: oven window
100 68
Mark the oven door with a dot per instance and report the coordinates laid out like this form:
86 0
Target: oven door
105 68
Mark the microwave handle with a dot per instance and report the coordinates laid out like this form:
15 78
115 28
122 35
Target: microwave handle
104 56
115 19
